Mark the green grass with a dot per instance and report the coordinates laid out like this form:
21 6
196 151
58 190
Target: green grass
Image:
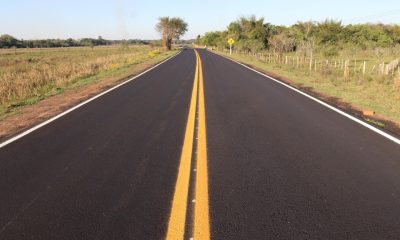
372 92
380 124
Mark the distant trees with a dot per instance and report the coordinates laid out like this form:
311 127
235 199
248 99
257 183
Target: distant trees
7 41
211 39
171 29
329 36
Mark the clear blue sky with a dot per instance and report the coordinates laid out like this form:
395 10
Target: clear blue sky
122 19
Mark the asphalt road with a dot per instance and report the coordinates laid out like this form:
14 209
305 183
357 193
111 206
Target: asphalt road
277 165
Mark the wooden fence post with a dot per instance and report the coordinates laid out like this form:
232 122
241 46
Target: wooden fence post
345 73
315 65
364 68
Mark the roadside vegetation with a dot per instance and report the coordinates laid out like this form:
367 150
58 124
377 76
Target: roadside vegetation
359 64
30 75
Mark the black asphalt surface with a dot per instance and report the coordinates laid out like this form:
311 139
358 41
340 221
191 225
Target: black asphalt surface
280 165
106 170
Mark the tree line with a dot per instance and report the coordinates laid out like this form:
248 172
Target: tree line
8 41
330 36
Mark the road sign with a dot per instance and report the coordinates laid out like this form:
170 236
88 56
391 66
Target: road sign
231 42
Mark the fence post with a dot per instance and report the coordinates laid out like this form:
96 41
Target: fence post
364 68
315 65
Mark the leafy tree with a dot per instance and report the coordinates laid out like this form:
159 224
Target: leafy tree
211 38
329 31
8 41
171 29
282 42
198 39
304 37
250 33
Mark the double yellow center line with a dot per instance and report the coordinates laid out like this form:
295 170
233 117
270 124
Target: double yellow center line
177 219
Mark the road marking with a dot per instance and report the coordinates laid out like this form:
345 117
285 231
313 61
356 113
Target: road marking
370 127
177 219
201 212
13 139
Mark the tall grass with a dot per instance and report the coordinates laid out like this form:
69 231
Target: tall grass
32 72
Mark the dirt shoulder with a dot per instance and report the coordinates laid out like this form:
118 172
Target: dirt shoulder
376 120
20 119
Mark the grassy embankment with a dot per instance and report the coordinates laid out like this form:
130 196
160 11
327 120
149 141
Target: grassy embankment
30 75
373 90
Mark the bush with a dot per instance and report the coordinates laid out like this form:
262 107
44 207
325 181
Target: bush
330 51
154 53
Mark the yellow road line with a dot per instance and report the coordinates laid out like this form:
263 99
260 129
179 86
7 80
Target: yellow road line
177 219
176 224
201 212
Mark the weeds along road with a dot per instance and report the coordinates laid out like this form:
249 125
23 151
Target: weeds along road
201 147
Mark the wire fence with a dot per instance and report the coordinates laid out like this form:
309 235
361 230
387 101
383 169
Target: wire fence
345 67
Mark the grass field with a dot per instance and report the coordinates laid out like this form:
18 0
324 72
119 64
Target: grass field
30 75
373 90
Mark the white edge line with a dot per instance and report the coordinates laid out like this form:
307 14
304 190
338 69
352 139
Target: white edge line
26 132
376 130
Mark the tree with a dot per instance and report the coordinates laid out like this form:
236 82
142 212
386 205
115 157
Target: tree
8 41
250 33
211 38
282 43
171 29
304 35
198 39
329 31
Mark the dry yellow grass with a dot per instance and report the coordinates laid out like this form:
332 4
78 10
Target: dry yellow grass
26 73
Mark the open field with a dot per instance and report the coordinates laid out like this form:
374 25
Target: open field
343 76
30 75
